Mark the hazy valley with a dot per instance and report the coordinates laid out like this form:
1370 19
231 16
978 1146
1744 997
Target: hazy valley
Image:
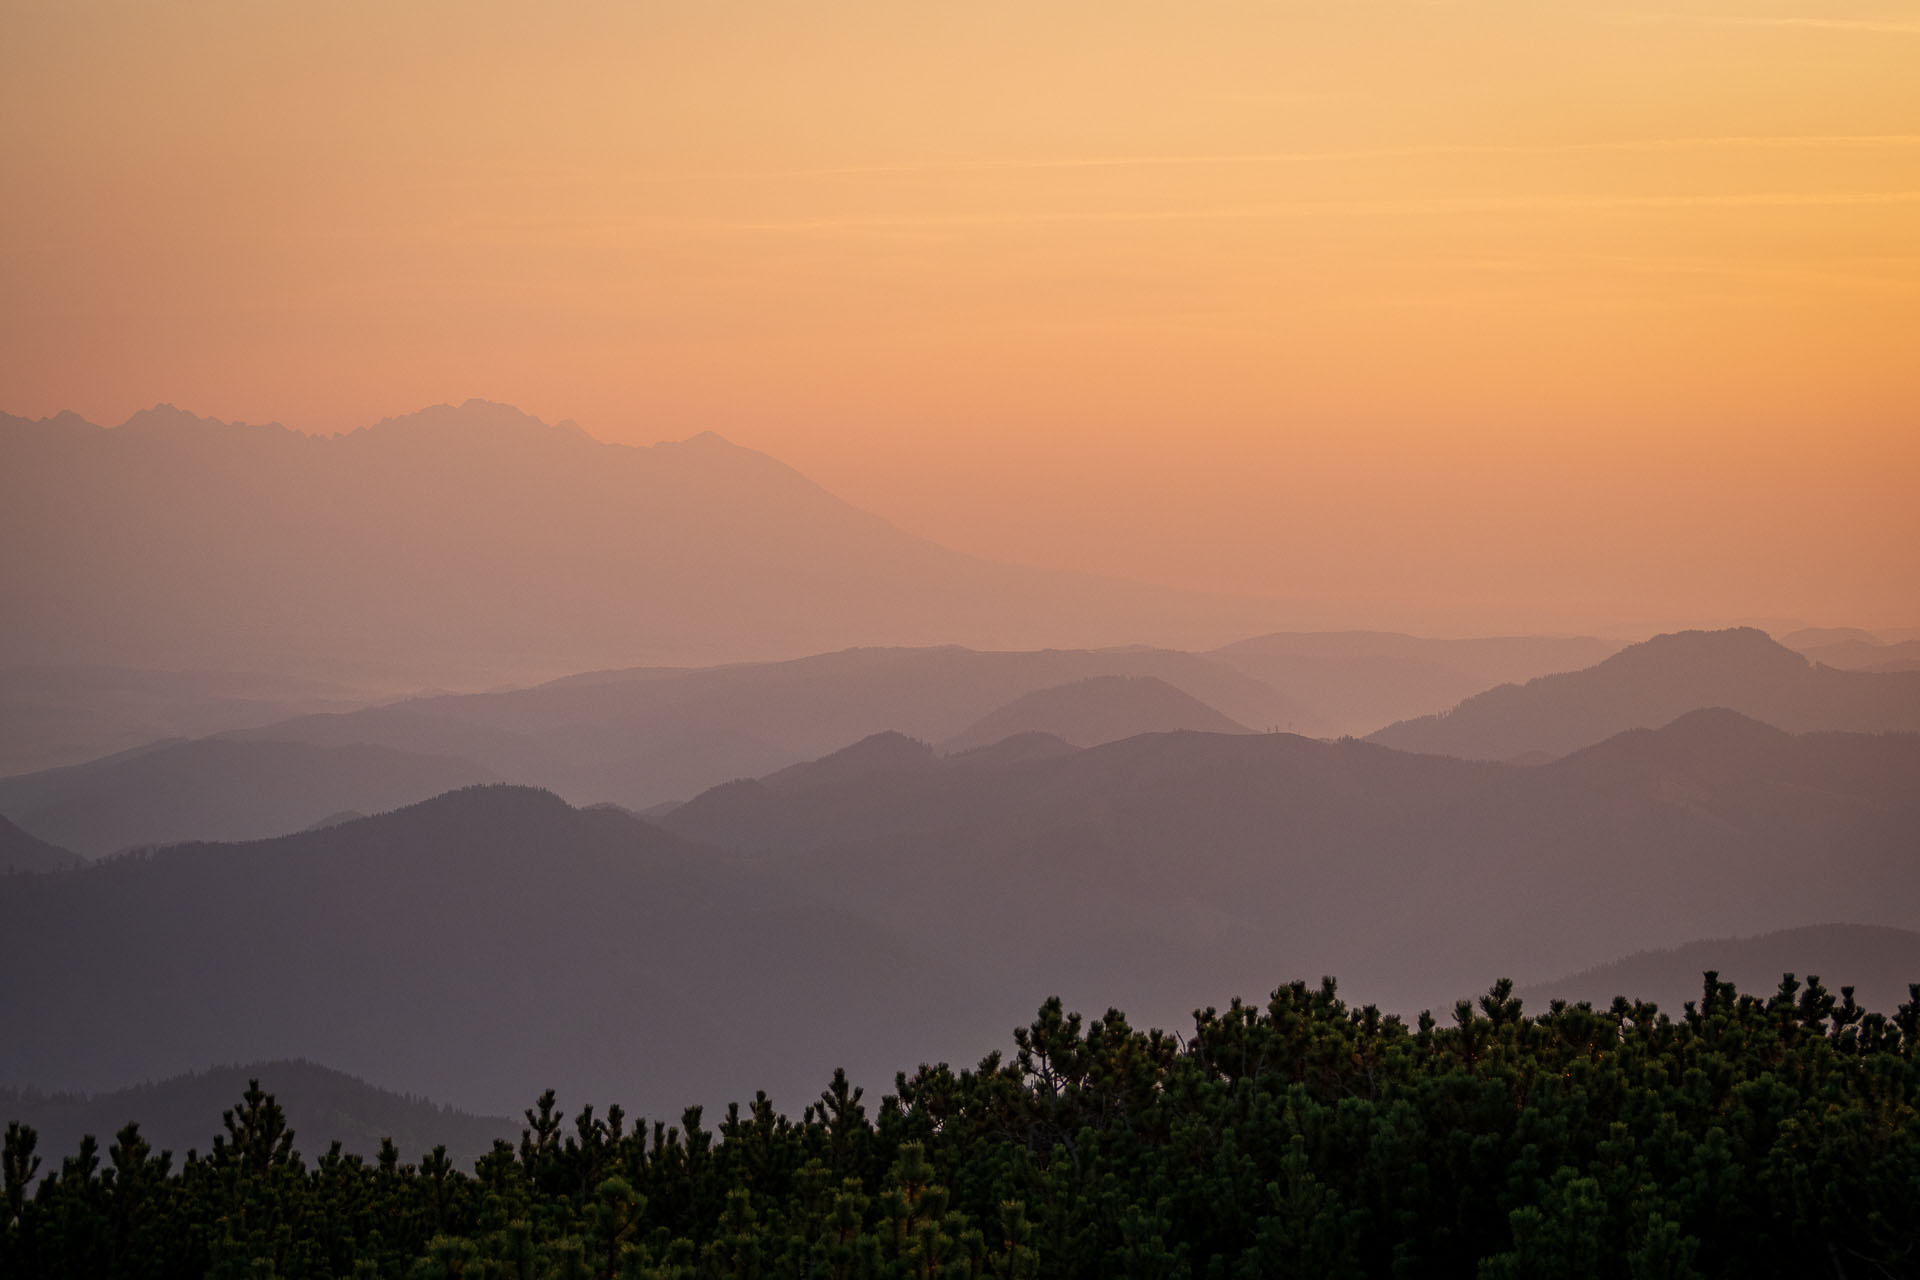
882 641
674 885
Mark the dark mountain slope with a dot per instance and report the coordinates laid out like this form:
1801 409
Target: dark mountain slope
1191 862
495 940
1649 684
641 737
477 948
1876 961
880 753
1097 709
322 1106
25 853
478 538
219 789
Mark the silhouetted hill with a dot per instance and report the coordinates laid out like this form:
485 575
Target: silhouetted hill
1357 681
182 1114
477 948
764 815
478 537
1649 684
22 852
1097 709
879 753
494 940
1186 861
1876 961
639 738
219 789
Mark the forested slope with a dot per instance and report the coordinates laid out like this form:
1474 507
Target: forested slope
1747 1136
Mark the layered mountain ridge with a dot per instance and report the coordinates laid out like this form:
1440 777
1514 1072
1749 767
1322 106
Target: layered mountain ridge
647 737
1650 683
893 902
221 789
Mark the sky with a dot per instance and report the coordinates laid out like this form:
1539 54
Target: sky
1470 315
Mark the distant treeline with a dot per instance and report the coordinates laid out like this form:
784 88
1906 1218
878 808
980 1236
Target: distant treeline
1750 1137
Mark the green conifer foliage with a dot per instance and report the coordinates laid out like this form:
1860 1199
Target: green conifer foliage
1753 1136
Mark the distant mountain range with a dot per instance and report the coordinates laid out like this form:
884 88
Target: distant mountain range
1852 649
1878 962
322 1106
646 737
216 789
700 725
1648 684
477 538
59 715
888 901
642 737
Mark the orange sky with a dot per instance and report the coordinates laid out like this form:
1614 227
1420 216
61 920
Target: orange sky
1463 314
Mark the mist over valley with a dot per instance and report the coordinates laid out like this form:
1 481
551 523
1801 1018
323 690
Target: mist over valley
876 641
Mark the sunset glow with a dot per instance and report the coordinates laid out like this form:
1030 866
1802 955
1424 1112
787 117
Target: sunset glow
1448 315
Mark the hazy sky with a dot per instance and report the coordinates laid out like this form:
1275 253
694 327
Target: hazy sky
1562 312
